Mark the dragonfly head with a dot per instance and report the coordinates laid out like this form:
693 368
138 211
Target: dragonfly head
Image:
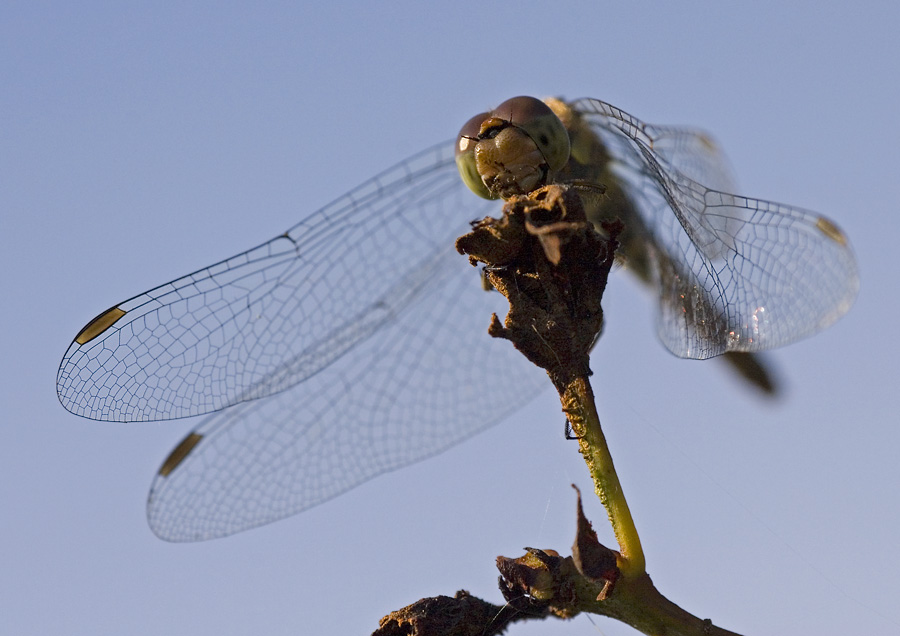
512 149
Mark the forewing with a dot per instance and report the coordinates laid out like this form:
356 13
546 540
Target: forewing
271 317
733 273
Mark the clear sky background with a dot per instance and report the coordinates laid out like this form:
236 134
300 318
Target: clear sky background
138 143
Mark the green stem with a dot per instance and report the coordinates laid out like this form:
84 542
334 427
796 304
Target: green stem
578 403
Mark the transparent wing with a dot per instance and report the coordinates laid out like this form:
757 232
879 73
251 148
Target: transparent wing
269 318
362 320
733 273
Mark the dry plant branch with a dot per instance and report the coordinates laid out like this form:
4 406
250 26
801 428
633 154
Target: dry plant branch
552 266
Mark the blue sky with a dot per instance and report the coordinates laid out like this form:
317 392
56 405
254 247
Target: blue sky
141 142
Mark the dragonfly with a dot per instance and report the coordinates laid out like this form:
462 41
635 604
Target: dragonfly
366 332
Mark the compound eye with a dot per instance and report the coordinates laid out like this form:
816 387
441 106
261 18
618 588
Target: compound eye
465 155
541 124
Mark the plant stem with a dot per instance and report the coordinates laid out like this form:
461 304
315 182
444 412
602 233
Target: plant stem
578 404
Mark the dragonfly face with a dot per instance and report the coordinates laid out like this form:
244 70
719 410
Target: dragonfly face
366 332
513 150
